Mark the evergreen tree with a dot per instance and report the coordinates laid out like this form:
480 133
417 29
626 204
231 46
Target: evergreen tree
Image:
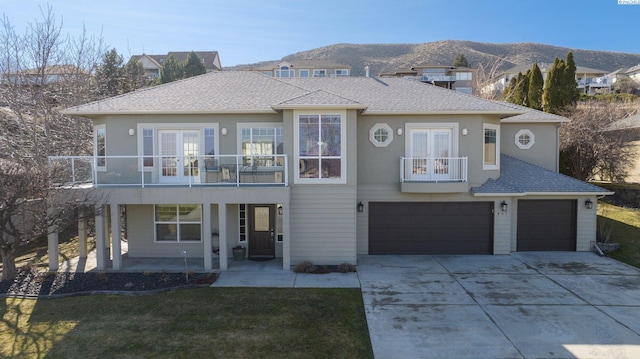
134 76
507 94
194 66
521 94
570 94
553 97
460 61
536 86
171 70
110 74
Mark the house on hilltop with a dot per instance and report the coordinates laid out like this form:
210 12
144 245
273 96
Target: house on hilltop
152 64
456 78
304 68
324 169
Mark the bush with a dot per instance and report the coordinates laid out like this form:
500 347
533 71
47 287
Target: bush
346 268
305 267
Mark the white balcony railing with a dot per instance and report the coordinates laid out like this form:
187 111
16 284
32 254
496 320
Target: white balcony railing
439 169
191 171
437 78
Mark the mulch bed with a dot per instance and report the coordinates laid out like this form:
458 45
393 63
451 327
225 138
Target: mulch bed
43 284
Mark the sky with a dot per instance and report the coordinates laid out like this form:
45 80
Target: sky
249 31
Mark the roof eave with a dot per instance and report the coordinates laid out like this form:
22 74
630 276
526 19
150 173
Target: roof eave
522 194
443 112
158 112
320 106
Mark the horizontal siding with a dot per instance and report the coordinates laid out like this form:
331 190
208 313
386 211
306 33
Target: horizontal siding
323 221
502 228
586 231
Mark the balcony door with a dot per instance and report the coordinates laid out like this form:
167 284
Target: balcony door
179 150
431 150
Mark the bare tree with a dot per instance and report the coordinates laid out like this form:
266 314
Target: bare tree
587 149
41 72
485 77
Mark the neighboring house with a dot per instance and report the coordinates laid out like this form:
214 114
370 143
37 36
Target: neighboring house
634 73
324 170
152 64
631 128
588 80
450 77
47 75
304 68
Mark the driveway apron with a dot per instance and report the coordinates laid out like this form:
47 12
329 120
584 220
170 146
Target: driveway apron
524 305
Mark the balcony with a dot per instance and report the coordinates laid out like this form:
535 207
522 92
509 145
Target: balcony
437 78
433 175
183 171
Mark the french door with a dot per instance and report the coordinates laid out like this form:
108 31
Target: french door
178 152
431 153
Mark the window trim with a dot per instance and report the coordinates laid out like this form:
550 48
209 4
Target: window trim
343 148
300 73
372 134
346 72
453 126
532 139
156 222
97 128
485 166
318 70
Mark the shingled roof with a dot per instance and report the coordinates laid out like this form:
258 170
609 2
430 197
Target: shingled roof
253 92
521 178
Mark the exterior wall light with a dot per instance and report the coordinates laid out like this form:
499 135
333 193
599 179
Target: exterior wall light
132 132
588 204
224 131
503 206
465 131
280 210
399 131
360 207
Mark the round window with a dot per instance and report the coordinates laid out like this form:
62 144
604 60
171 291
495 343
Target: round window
381 135
525 139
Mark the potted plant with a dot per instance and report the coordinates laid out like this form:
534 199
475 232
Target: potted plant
239 253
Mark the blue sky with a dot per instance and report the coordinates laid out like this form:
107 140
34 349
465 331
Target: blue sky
248 31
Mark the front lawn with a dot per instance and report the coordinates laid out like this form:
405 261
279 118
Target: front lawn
196 323
625 225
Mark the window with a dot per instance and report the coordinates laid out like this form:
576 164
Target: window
209 147
381 135
491 149
285 72
260 143
432 150
319 73
178 223
525 139
342 72
242 216
467 90
100 146
303 73
463 76
147 147
320 148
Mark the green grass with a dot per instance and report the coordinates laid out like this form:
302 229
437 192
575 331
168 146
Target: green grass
197 323
625 224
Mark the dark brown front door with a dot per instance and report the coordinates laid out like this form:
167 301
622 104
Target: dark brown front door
262 228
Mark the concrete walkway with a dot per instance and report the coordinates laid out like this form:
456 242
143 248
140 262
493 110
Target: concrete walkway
525 305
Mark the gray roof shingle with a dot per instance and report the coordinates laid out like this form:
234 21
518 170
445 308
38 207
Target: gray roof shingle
531 115
518 177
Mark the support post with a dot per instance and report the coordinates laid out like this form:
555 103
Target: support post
52 237
116 252
100 239
82 235
286 240
222 223
206 223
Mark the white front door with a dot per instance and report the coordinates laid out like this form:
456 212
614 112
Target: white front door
431 151
179 152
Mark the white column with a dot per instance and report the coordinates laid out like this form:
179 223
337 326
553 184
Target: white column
286 239
82 235
206 224
116 252
52 237
107 232
100 238
222 225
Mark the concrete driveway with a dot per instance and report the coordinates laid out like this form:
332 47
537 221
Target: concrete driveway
524 305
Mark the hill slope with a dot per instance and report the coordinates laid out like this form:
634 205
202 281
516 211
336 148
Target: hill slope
391 57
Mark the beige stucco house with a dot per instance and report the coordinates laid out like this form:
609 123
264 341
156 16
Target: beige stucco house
325 169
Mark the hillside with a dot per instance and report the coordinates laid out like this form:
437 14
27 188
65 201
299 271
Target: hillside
391 57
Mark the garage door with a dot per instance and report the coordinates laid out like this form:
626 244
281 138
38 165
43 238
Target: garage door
430 228
546 225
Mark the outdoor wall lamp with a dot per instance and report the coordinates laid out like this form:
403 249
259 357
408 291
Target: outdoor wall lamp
224 131
132 132
399 131
280 210
360 207
588 204
465 131
503 206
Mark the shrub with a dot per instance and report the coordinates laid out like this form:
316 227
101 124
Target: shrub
305 267
346 268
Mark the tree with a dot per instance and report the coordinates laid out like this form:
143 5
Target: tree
484 78
521 92
570 94
587 149
43 72
171 70
536 87
553 97
134 76
110 74
194 66
460 61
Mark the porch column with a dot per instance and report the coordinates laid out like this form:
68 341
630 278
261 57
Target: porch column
206 224
107 232
286 239
52 237
222 224
100 238
116 251
82 235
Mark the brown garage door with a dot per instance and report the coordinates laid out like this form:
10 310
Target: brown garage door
546 225
430 227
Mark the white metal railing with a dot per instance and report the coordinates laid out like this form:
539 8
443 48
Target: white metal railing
437 169
430 78
141 171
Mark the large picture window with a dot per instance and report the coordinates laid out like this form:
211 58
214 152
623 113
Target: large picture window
178 222
491 149
320 147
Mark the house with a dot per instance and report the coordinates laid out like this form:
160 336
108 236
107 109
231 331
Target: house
46 75
304 68
451 77
323 170
634 73
152 64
